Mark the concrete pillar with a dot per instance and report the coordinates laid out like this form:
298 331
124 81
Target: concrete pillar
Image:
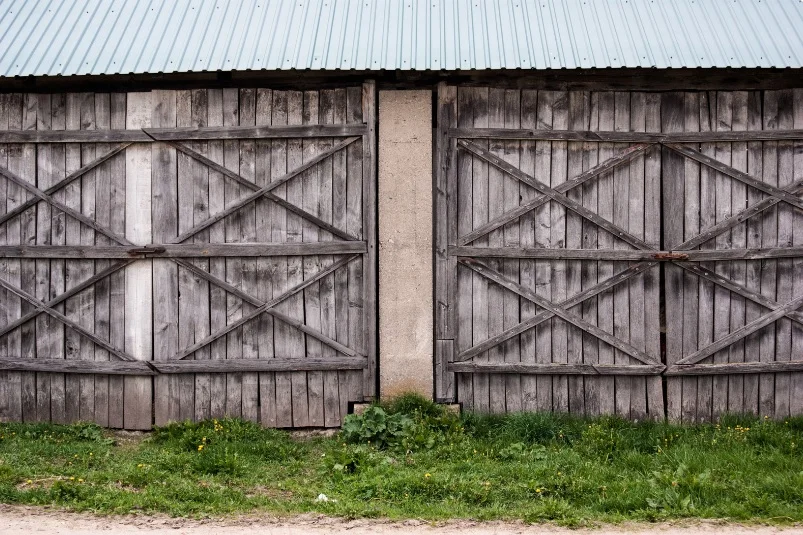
405 243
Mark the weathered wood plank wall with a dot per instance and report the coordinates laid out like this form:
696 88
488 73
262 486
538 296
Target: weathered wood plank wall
550 251
190 254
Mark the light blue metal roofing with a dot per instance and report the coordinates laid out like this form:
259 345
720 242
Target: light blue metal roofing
77 37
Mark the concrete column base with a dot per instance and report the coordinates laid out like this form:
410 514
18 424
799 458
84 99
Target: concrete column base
405 243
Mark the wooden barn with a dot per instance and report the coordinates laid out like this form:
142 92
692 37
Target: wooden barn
274 209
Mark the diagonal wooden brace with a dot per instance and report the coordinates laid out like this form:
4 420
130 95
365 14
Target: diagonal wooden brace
545 315
265 307
337 346
64 208
262 192
743 331
42 307
554 195
609 164
60 184
542 302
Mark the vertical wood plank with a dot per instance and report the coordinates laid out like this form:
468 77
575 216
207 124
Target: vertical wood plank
755 165
796 381
673 107
279 155
496 294
444 300
605 269
265 268
167 308
769 268
310 198
72 236
217 266
250 392
543 238
44 335
295 270
103 287
480 298
705 310
510 267
783 294
589 275
117 281
199 290
465 224
138 403
28 267
739 241
85 268
652 280
637 223
234 266
621 295
332 109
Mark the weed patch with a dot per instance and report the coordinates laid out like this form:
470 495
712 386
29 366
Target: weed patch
412 458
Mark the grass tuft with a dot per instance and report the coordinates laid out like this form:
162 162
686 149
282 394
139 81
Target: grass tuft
412 458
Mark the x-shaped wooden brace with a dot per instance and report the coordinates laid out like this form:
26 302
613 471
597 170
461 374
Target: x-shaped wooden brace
259 192
46 196
268 307
561 309
777 310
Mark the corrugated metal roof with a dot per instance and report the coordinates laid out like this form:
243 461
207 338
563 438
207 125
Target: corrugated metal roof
76 37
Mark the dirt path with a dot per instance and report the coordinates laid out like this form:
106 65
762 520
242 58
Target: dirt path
39 521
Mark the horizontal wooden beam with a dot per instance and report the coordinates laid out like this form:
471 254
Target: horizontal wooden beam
554 254
256 132
125 367
191 250
623 137
176 134
260 365
74 136
554 369
735 367
743 254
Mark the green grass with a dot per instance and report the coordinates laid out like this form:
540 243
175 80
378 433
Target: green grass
414 459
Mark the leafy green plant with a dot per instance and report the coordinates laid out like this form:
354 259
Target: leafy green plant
375 426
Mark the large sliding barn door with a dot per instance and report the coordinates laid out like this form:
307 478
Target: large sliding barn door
559 212
734 213
176 255
547 285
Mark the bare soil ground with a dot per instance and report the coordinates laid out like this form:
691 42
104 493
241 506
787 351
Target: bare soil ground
46 521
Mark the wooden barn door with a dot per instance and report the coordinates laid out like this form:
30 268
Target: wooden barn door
547 285
173 255
734 217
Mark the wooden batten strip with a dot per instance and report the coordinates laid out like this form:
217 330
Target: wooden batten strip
77 366
260 365
557 254
554 369
256 132
623 137
191 250
735 367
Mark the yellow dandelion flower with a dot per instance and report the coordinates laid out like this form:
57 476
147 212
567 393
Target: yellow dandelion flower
29 481
80 480
427 475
